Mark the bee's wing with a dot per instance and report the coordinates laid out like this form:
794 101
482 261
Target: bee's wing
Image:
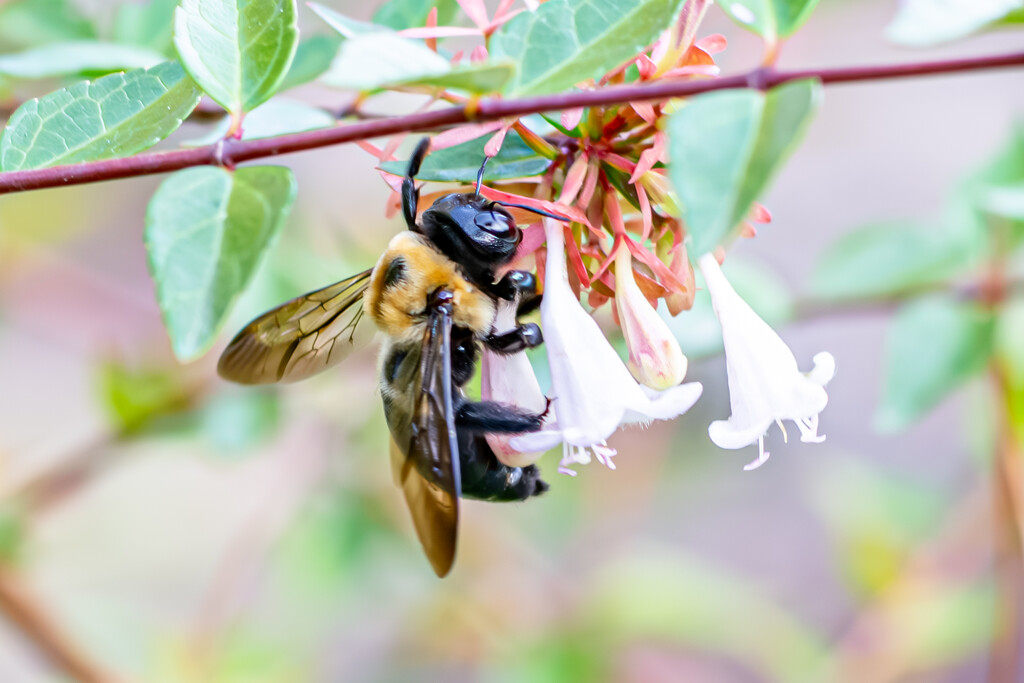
297 339
424 448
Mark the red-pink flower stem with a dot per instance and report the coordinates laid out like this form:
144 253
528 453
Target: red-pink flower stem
229 152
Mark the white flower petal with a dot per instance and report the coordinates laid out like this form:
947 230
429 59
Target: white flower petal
765 384
509 379
593 391
731 434
536 441
824 368
666 404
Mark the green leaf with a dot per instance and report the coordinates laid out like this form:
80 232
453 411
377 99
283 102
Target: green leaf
375 57
770 19
312 58
134 398
241 418
489 77
346 26
81 57
399 14
371 61
921 23
279 116
726 147
1004 200
237 51
1013 18
934 345
14 521
461 163
207 230
875 518
1007 167
892 258
149 24
946 624
564 42
115 116
25 23
998 188
656 596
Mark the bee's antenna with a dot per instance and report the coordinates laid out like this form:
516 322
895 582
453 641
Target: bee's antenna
480 175
410 193
539 212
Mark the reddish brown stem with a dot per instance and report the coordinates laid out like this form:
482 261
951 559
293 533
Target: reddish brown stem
230 151
19 605
1005 664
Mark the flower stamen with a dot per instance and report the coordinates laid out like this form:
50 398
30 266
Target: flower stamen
762 456
604 454
809 430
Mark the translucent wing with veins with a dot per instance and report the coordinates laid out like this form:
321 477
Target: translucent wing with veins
300 338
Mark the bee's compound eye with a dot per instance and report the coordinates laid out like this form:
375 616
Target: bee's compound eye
495 223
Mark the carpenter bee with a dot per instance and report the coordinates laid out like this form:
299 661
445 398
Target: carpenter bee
434 294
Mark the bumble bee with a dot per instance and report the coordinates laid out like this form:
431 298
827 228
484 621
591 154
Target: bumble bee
434 294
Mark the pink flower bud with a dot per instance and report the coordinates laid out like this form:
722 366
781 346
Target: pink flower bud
655 358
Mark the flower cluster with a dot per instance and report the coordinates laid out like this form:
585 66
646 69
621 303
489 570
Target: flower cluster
621 245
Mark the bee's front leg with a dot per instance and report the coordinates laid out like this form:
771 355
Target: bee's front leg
516 283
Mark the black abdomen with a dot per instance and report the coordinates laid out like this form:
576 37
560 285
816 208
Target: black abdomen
484 477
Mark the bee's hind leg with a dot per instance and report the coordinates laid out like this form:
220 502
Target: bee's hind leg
492 417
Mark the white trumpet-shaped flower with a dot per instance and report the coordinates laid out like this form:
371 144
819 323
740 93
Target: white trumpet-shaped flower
593 392
765 385
509 379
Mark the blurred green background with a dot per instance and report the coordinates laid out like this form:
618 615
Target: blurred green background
179 528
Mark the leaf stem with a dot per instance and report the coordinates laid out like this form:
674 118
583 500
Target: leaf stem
488 109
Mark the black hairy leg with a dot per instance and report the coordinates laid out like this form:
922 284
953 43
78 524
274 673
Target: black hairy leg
515 283
515 340
492 417
527 306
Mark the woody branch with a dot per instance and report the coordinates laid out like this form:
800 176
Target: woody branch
229 151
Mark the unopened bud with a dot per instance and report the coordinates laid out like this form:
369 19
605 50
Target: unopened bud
655 358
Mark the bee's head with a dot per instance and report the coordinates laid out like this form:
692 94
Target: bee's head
470 228
478 234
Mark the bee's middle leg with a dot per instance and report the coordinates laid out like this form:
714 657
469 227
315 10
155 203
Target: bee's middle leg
517 339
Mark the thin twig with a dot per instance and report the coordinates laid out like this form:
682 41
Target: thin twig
1005 653
20 606
230 151
872 647
812 308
